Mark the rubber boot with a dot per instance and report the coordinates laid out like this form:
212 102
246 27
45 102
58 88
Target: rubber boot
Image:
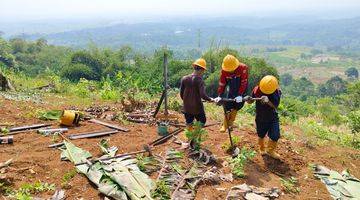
232 118
225 124
271 149
261 142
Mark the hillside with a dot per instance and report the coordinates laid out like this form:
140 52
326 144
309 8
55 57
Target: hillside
344 32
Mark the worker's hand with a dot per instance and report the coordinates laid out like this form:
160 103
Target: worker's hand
217 99
264 99
247 98
238 99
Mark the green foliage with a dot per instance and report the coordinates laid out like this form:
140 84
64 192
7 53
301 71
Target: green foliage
238 163
162 191
332 87
290 185
352 73
323 134
329 111
83 88
26 190
286 79
227 146
50 115
293 108
352 98
198 135
75 72
354 121
67 177
108 92
301 88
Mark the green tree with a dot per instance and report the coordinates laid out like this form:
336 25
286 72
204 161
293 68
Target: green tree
75 72
93 62
286 79
332 87
301 88
352 72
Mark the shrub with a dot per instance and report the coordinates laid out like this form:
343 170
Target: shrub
75 72
330 113
354 121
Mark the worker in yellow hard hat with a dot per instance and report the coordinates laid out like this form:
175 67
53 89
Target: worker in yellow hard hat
267 120
234 75
192 91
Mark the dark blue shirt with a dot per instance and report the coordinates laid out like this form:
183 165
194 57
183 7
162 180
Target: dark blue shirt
264 112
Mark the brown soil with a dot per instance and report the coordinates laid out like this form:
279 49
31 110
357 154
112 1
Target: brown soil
33 160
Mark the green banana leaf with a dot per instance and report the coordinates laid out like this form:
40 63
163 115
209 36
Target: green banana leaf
117 178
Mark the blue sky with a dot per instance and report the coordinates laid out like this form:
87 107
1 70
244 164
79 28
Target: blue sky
46 9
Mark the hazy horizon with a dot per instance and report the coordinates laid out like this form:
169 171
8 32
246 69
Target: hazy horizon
137 10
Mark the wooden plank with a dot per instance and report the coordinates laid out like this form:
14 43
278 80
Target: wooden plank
91 135
29 127
112 126
56 145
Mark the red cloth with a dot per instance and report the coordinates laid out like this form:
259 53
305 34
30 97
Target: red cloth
241 71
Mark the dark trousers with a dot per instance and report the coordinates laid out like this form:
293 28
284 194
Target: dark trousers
272 129
199 117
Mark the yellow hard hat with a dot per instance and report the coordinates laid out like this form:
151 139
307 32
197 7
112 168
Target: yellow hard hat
230 63
268 84
200 62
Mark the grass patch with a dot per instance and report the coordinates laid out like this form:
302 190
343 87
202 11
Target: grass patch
315 130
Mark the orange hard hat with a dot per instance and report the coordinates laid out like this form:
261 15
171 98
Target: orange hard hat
200 62
268 84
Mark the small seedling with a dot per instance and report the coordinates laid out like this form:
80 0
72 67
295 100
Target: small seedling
197 136
67 177
238 163
290 185
226 145
162 191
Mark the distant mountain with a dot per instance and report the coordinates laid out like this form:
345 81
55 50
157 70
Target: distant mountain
185 34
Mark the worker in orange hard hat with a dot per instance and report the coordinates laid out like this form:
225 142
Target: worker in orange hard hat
192 91
267 120
234 75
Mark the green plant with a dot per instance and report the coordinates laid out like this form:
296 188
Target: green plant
354 121
226 145
67 177
198 135
238 163
27 189
107 91
290 185
4 130
146 163
162 191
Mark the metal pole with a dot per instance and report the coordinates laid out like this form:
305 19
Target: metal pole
165 82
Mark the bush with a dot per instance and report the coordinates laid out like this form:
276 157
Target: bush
330 113
75 72
354 121
83 88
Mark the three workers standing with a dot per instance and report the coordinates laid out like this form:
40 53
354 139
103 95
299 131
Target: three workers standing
232 85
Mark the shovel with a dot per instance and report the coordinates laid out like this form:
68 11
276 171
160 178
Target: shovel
234 150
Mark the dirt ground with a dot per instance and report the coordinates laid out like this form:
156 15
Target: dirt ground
33 160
